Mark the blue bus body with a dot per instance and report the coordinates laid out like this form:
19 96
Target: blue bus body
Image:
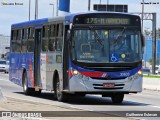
25 60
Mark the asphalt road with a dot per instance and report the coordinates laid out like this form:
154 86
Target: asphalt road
146 101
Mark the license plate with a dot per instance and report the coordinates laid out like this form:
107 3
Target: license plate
108 85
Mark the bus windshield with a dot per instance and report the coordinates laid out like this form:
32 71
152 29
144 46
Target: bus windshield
106 45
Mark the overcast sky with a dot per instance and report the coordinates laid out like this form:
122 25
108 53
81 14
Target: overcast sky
14 14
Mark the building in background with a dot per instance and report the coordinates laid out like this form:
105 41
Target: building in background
147 56
4 45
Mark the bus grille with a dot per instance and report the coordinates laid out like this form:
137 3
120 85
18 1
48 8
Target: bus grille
108 88
100 86
108 78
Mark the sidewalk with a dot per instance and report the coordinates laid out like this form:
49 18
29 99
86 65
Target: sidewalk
2 98
20 105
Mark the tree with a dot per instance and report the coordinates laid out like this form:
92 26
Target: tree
150 61
157 61
147 32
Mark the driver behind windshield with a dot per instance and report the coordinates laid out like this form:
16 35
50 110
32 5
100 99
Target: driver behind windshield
119 46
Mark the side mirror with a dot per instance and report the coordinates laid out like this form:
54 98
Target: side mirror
68 35
143 42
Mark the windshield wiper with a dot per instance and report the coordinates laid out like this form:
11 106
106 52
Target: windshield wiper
98 37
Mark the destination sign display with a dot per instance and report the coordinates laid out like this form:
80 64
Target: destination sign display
107 21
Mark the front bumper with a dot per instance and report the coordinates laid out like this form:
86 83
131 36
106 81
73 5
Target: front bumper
87 84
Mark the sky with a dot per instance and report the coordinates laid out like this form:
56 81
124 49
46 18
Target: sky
10 14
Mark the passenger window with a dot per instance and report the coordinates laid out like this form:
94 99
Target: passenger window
59 37
31 33
52 30
45 38
14 35
13 40
25 33
18 41
30 45
52 37
24 40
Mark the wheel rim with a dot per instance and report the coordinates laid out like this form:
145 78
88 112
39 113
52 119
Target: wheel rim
25 84
58 90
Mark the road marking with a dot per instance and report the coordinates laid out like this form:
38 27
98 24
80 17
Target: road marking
81 108
155 106
34 118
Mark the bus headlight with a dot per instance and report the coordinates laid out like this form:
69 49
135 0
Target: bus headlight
140 72
76 73
79 75
136 76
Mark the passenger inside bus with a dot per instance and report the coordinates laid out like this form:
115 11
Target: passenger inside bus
120 47
118 44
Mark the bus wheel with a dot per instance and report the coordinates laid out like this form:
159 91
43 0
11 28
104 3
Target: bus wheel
117 98
59 95
26 89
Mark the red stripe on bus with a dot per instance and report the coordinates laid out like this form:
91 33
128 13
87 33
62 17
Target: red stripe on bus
92 74
70 74
31 72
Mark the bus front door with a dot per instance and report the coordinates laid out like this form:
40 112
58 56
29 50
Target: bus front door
37 49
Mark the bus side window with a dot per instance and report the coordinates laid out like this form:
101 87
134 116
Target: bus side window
18 41
13 40
45 38
52 38
30 45
24 40
59 37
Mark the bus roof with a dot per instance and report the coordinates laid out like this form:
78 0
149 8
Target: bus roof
67 17
29 23
37 22
72 15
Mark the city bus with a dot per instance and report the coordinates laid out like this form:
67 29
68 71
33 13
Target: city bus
78 54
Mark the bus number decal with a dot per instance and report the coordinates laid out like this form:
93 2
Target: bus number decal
126 74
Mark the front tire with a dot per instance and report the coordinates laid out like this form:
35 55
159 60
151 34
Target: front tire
117 98
59 95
